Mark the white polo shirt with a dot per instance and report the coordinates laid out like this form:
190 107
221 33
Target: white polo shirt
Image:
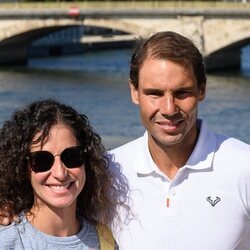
205 207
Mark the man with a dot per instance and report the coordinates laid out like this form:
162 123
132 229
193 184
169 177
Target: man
189 187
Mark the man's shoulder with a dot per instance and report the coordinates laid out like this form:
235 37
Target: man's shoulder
233 144
122 157
127 147
223 143
235 155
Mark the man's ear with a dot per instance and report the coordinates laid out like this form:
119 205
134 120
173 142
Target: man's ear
202 92
133 93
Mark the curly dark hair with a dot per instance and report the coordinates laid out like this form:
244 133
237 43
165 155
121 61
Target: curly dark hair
98 199
167 45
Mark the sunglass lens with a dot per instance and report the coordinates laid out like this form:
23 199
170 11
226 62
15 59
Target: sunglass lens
73 157
41 161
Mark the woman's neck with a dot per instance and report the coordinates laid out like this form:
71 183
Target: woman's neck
56 222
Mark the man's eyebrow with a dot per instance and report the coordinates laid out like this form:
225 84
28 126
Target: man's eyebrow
149 90
184 88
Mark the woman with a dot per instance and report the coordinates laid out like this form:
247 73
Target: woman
54 176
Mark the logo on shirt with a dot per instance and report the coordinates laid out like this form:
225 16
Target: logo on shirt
213 202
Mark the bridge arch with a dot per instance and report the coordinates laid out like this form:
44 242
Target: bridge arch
16 36
218 34
222 34
15 27
29 36
123 25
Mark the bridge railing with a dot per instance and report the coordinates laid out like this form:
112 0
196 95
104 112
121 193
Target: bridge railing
106 4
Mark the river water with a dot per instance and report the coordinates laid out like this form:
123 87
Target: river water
96 83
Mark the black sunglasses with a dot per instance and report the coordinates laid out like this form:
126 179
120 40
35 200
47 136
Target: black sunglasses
72 157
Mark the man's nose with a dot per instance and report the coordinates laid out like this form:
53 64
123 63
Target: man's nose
169 106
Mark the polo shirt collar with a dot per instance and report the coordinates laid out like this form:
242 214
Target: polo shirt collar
143 156
201 157
203 153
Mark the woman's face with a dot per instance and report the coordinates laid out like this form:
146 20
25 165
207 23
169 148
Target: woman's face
59 186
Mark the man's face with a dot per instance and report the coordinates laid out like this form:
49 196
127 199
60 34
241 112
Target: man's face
168 97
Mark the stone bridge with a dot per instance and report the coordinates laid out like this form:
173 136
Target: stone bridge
219 34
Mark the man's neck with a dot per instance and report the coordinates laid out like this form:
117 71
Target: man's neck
169 159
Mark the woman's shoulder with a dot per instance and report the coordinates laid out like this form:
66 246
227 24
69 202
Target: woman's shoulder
88 231
6 229
9 236
19 220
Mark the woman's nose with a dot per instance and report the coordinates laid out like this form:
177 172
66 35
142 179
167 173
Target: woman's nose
58 169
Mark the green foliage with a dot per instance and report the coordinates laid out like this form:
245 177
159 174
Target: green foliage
57 1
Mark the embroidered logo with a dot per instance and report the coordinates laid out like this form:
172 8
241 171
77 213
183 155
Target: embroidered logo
213 202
